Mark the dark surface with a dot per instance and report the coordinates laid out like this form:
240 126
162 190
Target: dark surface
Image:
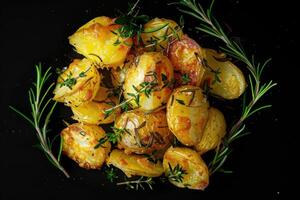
37 32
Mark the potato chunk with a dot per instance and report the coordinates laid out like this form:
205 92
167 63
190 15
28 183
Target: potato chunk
99 41
78 84
214 131
231 83
134 164
187 113
154 71
183 55
195 172
92 112
79 141
158 32
144 134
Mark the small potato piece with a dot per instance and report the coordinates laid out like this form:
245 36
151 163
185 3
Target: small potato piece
85 80
134 164
187 113
183 56
96 41
232 81
154 68
145 133
158 40
92 112
197 175
79 141
214 131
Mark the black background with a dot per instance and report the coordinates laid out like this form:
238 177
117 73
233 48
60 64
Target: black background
35 32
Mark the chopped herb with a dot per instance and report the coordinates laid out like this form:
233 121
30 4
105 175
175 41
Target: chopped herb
176 174
185 79
180 101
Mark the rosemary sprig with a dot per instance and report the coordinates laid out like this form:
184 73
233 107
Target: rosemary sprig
38 119
139 183
176 174
208 24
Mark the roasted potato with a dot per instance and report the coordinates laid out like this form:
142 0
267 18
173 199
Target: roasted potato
145 133
194 171
187 114
185 56
79 141
134 164
156 71
158 32
99 41
214 131
222 76
118 74
78 84
92 112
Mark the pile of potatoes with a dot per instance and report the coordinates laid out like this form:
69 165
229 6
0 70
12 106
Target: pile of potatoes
179 110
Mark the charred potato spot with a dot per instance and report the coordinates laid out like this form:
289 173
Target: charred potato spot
183 55
84 86
187 113
134 164
79 141
158 40
144 134
214 131
96 41
150 67
232 81
196 172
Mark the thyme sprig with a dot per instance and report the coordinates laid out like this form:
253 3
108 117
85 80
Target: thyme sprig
112 137
70 81
176 174
146 88
139 183
39 119
208 24
110 174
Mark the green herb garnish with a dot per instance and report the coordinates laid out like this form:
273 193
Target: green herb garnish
39 120
208 24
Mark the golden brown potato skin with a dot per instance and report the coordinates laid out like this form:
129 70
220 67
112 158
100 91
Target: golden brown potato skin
79 141
148 132
182 54
85 88
96 41
149 62
232 81
187 121
160 35
197 175
92 112
134 164
118 74
214 131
